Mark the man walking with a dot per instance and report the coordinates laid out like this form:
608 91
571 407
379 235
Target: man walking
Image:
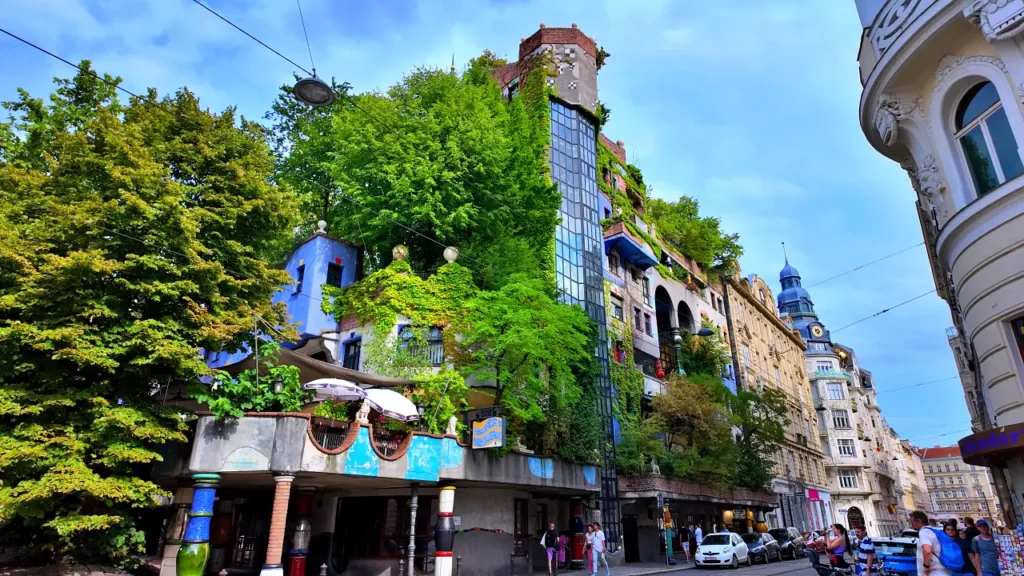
698 535
865 552
684 539
928 547
549 541
971 529
984 552
599 548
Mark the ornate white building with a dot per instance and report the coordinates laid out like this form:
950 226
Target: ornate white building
943 88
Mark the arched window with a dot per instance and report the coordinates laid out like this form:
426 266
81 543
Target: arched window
985 137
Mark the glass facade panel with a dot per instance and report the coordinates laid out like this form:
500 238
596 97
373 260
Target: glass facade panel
579 254
983 170
1005 144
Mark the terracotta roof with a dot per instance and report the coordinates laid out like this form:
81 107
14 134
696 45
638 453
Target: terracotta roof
940 452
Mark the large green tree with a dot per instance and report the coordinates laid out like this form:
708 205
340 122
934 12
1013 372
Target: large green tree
443 155
132 235
700 237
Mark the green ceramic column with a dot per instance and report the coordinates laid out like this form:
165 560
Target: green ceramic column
195 546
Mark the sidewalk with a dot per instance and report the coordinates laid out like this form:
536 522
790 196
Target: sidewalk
631 569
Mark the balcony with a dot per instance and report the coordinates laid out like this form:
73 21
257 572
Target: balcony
653 386
831 375
633 250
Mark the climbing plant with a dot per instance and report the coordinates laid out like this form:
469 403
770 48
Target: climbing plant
233 396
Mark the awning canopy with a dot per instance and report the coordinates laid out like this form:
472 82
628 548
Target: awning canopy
312 369
993 447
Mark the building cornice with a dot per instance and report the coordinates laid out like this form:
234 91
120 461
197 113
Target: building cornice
793 334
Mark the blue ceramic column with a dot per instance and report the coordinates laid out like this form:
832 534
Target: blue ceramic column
195 546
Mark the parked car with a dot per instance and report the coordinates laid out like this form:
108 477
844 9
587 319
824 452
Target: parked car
762 547
791 543
898 555
722 549
908 533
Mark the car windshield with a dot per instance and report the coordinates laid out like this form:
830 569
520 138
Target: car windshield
752 538
715 540
883 548
909 533
779 534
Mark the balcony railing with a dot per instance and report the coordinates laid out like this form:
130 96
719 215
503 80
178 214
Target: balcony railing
831 374
895 17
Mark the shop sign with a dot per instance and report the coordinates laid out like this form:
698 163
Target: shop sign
489 433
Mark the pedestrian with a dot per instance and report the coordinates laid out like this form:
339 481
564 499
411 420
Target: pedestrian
599 551
698 534
563 546
984 552
971 529
959 536
684 540
549 541
928 547
865 552
588 549
837 542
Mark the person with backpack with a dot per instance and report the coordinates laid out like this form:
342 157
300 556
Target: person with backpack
549 541
937 553
984 551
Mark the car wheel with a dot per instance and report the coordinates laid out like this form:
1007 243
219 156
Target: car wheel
735 562
750 561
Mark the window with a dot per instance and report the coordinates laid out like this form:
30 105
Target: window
840 419
824 366
637 318
984 505
761 295
613 263
647 325
352 350
929 468
963 493
942 480
981 493
616 307
948 507
956 506
986 140
847 447
947 467
301 276
956 467
819 346
778 378
746 356
835 390
976 479
646 285
960 479
334 274
847 479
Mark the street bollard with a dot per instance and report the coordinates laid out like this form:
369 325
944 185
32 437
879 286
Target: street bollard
458 564
323 569
401 567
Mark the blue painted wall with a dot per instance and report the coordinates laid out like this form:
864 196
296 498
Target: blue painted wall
304 305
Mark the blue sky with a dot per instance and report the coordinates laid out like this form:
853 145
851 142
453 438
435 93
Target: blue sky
749 106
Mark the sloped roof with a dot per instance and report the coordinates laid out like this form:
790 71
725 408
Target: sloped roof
940 452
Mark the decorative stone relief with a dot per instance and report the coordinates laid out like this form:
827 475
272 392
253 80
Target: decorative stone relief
950 62
998 19
928 184
894 18
891 109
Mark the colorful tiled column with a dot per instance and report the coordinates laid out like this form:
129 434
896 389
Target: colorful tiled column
278 518
195 546
444 532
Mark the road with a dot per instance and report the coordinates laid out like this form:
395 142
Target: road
800 567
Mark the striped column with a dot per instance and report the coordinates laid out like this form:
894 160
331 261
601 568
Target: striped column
444 532
195 545
278 518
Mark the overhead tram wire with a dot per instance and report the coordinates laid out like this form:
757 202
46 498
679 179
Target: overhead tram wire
145 101
919 384
880 313
865 265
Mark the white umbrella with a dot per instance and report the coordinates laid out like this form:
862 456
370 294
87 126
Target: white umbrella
392 404
337 388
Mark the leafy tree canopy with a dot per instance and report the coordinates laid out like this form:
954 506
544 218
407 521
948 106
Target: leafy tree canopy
445 156
701 238
131 236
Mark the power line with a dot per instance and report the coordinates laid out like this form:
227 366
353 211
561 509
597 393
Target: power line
865 265
261 42
879 313
306 35
916 385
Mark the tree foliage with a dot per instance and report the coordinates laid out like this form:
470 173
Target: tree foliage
131 236
701 238
233 396
445 156
762 417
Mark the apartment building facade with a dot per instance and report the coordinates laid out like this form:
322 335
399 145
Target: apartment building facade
767 352
958 489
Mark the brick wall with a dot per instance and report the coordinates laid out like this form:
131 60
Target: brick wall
557 36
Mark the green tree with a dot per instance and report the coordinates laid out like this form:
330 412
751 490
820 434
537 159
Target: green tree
131 237
698 429
762 417
700 237
445 156
704 355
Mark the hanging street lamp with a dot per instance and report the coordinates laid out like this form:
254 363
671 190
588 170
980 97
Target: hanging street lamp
313 91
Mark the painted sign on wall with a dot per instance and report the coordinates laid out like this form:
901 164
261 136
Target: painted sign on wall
489 432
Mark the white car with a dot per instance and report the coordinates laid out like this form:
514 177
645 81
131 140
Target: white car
722 549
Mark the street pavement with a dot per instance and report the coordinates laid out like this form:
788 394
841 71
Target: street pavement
799 567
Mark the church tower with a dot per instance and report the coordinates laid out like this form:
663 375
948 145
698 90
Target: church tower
795 301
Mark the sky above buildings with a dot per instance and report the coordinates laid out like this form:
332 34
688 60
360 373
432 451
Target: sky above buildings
748 106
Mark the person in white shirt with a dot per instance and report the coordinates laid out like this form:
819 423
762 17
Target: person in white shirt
928 547
599 551
698 535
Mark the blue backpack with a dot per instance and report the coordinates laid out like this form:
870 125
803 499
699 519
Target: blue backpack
950 557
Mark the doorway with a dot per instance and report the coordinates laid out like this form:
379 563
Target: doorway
855 517
630 539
